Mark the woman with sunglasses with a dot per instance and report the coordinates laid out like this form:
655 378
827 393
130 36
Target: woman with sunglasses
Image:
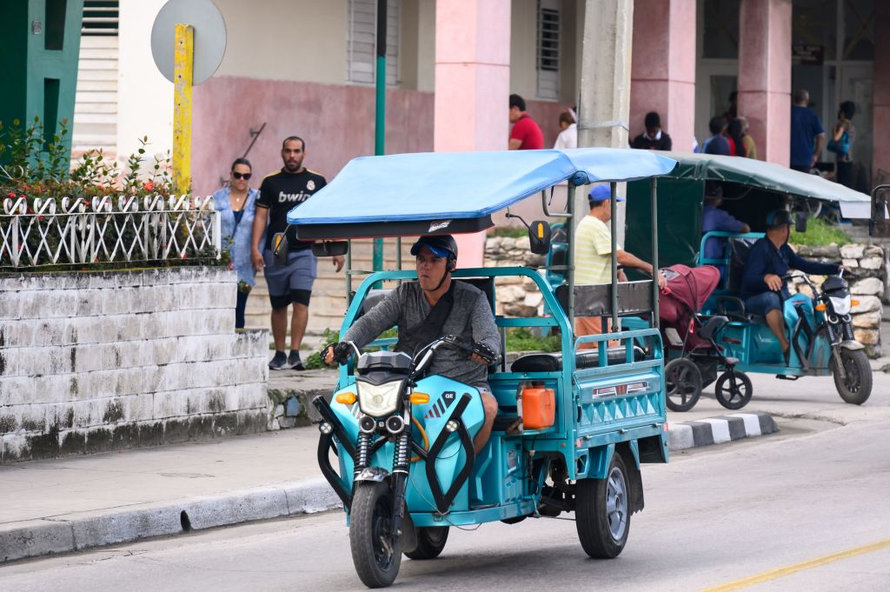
236 205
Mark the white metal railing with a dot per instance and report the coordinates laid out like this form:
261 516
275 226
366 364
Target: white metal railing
78 231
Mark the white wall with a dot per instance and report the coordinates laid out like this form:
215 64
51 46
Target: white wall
106 360
296 40
145 97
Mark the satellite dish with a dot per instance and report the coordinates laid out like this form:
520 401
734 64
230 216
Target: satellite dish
210 37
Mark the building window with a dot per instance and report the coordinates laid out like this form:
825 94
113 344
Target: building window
361 53
100 18
548 50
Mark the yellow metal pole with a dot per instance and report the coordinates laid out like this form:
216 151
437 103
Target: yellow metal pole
183 68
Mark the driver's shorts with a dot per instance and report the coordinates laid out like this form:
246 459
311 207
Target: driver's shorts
763 303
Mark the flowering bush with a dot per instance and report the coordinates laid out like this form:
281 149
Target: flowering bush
93 212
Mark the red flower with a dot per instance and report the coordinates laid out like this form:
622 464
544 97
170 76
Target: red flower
11 194
149 186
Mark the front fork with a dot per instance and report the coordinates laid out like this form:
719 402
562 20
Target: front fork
846 334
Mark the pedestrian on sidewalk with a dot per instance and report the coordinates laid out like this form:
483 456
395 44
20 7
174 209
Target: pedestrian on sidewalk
289 284
747 140
568 135
734 135
717 143
236 205
526 133
842 136
654 138
807 133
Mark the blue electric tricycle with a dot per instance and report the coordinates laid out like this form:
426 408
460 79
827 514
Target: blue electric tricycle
817 319
397 443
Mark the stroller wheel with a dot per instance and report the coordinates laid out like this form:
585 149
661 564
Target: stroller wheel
683 384
733 389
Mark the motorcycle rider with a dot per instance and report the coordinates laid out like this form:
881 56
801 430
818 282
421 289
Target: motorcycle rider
769 259
433 306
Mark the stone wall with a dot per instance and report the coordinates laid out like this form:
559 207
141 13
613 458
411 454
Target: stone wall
91 362
516 296
866 271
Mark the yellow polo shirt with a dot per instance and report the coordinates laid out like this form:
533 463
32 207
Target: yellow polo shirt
593 252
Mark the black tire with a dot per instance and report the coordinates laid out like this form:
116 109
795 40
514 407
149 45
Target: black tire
856 387
430 542
369 533
733 390
602 511
683 384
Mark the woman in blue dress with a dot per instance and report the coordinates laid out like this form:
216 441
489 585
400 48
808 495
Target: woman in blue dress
236 205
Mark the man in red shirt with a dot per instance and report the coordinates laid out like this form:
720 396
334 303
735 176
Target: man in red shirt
526 134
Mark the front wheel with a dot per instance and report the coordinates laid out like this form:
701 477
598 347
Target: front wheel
733 389
430 542
376 553
602 511
855 387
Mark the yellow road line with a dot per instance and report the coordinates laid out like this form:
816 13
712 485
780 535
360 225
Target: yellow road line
782 572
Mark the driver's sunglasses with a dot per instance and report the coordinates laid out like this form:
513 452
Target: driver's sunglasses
245 176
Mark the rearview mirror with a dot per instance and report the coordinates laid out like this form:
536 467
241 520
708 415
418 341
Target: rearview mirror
539 235
330 248
280 248
800 221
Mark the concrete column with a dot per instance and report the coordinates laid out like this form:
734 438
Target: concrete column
765 76
663 72
881 115
472 86
604 106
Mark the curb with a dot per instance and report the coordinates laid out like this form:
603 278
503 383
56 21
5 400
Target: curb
46 536
716 430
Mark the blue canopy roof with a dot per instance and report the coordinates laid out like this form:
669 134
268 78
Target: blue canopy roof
435 186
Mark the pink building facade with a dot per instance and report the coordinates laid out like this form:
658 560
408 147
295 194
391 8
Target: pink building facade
449 79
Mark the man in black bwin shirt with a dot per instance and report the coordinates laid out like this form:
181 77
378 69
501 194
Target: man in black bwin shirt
292 283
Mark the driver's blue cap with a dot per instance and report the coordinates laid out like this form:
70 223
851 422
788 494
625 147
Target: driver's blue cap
437 251
601 193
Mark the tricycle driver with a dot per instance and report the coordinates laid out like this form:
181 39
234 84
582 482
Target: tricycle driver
769 259
432 307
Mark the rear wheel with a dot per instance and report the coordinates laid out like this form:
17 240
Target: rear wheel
376 553
733 390
430 542
602 511
683 383
855 387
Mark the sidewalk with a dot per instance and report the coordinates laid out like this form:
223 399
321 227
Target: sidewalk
74 503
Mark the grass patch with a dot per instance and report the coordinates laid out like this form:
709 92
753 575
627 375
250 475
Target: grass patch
314 361
511 232
521 339
819 234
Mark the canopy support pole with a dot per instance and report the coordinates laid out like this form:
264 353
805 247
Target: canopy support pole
570 239
380 111
613 204
653 199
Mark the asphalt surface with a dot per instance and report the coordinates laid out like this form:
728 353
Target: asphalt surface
809 502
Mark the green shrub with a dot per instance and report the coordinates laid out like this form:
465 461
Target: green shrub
510 231
819 233
522 339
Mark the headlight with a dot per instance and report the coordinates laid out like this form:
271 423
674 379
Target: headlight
378 400
841 306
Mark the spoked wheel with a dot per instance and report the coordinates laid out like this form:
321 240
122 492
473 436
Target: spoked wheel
602 511
376 553
683 384
733 389
855 387
430 542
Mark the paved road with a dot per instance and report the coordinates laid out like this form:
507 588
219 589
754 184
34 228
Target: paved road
816 491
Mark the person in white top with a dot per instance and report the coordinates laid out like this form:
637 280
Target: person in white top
568 137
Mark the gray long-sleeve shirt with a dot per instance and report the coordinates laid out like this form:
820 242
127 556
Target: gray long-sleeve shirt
471 318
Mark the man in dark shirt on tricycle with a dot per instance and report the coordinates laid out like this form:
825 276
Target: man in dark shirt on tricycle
769 260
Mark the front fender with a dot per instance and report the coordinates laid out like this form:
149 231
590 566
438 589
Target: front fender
375 474
852 345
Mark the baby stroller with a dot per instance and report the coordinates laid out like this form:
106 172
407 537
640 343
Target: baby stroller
692 355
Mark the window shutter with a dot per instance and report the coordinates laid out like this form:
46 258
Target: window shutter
362 48
548 50
95 105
